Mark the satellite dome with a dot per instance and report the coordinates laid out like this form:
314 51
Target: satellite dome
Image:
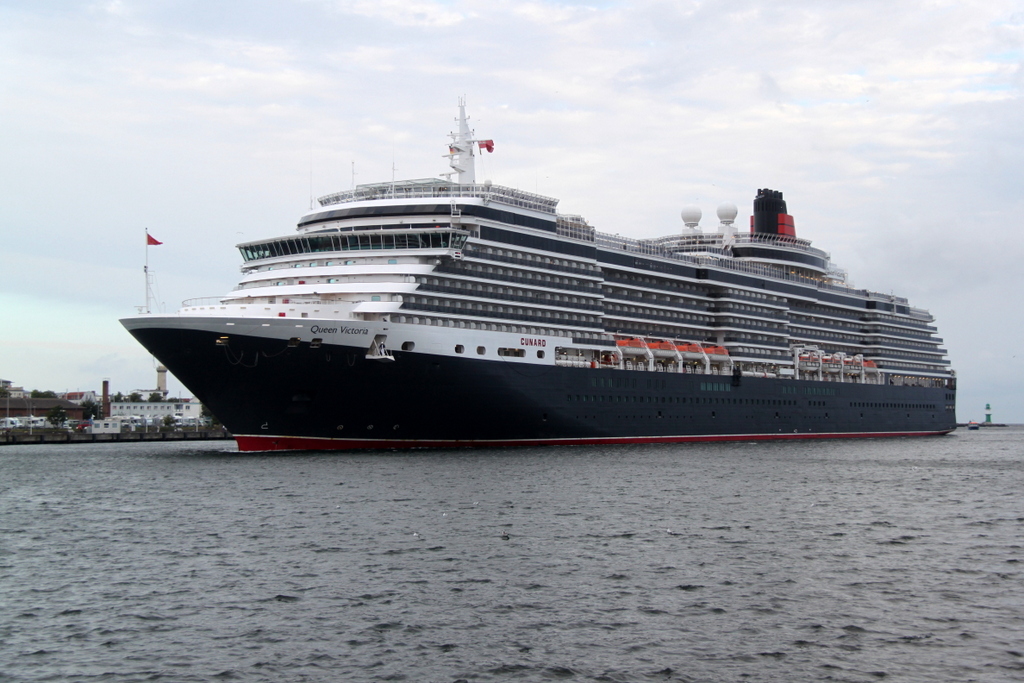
727 212
691 216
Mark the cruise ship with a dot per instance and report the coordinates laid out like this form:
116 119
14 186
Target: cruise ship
444 312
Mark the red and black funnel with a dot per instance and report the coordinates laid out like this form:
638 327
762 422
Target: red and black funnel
770 217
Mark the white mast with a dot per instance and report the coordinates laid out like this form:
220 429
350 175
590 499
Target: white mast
462 150
149 277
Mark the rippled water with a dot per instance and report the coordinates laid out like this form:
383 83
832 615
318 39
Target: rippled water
837 560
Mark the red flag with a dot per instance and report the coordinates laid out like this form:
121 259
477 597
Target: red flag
487 144
152 241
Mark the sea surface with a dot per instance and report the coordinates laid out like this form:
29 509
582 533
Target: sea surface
846 560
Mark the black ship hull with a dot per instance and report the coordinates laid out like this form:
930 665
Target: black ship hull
276 396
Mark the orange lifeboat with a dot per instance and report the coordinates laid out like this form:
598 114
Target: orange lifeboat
690 351
632 347
716 351
663 349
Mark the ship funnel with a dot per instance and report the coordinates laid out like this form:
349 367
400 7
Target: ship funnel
770 216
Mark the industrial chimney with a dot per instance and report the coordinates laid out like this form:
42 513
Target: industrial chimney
106 399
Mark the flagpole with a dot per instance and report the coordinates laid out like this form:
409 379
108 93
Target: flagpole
146 270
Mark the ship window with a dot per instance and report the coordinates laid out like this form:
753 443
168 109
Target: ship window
540 354
374 298
408 346
459 348
481 350
392 261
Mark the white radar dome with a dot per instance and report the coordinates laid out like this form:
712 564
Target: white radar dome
727 212
691 216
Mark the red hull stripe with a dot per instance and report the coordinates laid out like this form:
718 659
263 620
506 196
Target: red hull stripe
252 442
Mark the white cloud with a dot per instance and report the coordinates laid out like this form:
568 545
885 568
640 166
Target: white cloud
402 12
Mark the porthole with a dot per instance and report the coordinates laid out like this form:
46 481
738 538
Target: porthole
459 348
408 346
481 350
540 354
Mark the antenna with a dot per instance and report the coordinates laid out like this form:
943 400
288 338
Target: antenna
145 270
311 177
393 168
353 174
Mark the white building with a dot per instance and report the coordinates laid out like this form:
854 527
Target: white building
80 397
188 411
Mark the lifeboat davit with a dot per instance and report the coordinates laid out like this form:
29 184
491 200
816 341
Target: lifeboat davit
808 362
831 364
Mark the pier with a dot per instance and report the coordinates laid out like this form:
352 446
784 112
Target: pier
52 437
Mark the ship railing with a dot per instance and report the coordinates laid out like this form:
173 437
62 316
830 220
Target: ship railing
533 282
713 242
536 301
203 301
219 302
470 253
433 188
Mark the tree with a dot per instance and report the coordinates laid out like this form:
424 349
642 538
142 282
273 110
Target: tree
117 398
90 410
168 421
42 394
136 397
156 397
57 416
210 417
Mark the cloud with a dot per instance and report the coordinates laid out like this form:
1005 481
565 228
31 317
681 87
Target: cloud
419 13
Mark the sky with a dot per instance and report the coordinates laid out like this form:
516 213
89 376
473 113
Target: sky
893 129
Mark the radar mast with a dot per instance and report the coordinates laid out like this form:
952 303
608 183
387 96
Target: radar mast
462 149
